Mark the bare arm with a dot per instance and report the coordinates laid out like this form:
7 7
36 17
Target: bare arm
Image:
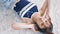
25 25
44 7
21 25
18 26
42 12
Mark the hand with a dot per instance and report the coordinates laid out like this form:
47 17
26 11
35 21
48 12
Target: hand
15 26
47 21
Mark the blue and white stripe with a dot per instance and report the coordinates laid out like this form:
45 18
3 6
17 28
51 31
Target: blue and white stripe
23 9
26 9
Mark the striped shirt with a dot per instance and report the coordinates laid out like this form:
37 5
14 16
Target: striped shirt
25 8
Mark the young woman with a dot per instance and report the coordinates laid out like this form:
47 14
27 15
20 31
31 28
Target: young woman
33 18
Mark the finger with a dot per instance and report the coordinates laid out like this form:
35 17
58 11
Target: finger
48 18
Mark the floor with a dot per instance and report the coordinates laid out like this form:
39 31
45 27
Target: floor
7 17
